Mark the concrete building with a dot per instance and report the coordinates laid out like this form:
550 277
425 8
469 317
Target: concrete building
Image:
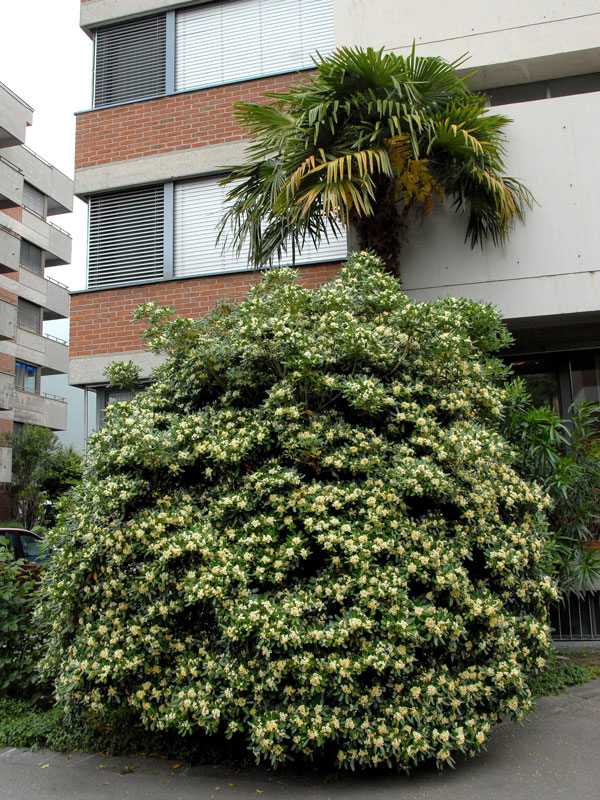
150 150
31 190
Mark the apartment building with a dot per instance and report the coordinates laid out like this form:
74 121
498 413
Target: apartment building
31 190
151 150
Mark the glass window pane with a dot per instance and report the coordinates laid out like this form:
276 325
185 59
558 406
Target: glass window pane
585 377
25 377
541 378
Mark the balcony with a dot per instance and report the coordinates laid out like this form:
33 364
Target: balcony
44 177
51 295
7 391
15 116
8 320
50 237
10 247
11 184
50 353
47 410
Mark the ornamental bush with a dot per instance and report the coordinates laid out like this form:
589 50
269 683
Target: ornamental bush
308 532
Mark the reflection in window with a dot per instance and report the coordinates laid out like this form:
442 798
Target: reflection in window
25 377
585 377
541 379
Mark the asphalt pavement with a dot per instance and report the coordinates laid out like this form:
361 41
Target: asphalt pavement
556 754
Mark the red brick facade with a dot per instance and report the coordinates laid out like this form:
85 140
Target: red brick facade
101 320
167 124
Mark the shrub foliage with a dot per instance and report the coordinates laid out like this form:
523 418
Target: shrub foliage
308 532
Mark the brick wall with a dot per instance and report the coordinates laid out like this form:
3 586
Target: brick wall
16 212
7 364
167 124
101 320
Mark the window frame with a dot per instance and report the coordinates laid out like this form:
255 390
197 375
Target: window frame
21 372
168 239
170 65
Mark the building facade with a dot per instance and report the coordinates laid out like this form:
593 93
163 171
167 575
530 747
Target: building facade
31 190
151 150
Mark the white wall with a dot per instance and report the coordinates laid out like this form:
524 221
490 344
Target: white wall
550 264
517 40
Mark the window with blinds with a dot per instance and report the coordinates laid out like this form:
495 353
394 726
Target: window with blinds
130 60
31 257
232 40
34 200
29 316
126 237
198 207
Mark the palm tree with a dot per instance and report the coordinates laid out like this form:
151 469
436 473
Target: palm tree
367 142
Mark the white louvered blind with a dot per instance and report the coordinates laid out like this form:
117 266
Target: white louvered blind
198 207
130 60
233 40
126 240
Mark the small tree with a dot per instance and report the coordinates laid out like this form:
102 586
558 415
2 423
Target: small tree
308 532
42 472
369 141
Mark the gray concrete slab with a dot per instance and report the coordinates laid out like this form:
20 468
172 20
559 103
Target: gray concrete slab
553 755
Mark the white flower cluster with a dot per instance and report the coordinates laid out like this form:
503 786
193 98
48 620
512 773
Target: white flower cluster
309 532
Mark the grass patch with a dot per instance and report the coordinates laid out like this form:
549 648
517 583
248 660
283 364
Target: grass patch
31 723
562 673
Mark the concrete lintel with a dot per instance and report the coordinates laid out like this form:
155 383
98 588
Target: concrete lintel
89 370
96 13
158 169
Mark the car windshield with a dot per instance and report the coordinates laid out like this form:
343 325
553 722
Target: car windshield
32 547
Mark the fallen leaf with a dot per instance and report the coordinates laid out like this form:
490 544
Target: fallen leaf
44 766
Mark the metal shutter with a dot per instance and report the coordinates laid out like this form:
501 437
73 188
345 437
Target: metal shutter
198 207
29 316
130 60
31 257
126 240
34 200
224 42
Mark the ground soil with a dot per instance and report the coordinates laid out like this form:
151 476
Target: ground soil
589 658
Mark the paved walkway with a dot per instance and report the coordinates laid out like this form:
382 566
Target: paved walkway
557 754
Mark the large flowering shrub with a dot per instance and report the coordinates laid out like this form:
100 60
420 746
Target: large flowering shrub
308 532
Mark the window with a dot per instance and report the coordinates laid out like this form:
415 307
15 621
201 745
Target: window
126 238
168 231
206 45
223 42
26 377
29 316
34 200
130 60
560 379
541 90
31 257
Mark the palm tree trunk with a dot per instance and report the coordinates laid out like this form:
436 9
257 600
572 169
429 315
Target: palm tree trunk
384 232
